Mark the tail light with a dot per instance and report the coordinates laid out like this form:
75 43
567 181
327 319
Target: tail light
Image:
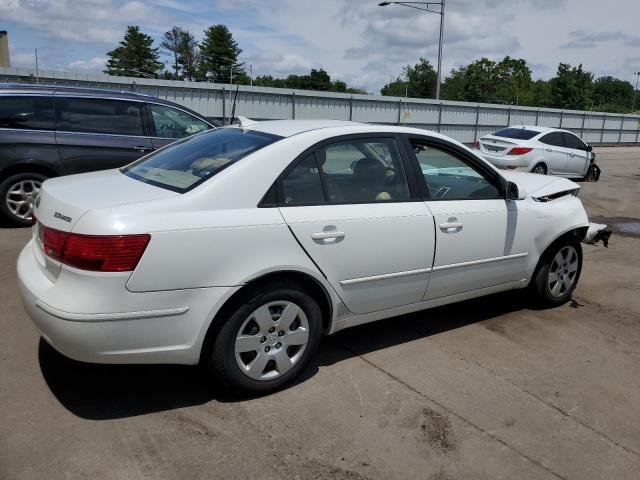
476 145
519 150
99 253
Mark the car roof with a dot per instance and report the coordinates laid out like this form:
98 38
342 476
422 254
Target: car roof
288 128
533 128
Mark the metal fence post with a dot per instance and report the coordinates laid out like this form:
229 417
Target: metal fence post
399 111
604 121
509 117
638 129
475 132
293 105
440 117
620 132
537 116
561 117
351 108
584 118
224 105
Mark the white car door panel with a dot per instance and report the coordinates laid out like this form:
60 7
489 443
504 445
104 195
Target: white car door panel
376 256
577 157
478 245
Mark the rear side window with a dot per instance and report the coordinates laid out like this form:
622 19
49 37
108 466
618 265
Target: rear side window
189 162
303 186
26 112
554 139
173 123
571 141
517 133
93 115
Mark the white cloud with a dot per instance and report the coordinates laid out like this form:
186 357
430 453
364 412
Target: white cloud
96 63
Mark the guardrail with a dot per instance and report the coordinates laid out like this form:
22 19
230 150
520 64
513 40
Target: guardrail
463 121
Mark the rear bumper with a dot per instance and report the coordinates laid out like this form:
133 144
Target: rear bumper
513 162
152 327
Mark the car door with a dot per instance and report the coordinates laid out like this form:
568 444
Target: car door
169 124
478 242
578 156
99 134
359 216
555 153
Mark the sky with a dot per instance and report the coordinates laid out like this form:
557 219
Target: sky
354 40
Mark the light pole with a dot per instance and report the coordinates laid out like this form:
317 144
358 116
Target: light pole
417 6
635 91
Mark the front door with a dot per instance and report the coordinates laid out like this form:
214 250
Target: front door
99 134
351 208
555 153
477 240
578 156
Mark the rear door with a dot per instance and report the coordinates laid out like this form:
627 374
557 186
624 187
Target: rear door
555 153
578 156
99 134
359 216
169 124
478 244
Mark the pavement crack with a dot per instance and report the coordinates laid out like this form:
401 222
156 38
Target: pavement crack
455 414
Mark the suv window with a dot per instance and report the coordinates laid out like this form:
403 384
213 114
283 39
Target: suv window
173 123
187 163
553 139
26 112
93 115
302 186
363 171
571 141
451 178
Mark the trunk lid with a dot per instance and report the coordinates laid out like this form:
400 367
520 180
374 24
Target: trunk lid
62 201
497 145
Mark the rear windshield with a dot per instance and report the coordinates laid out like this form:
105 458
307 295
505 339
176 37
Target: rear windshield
518 133
189 162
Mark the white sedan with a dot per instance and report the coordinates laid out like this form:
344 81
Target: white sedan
540 150
239 247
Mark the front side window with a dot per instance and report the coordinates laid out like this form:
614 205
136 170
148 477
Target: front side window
571 141
172 123
554 139
191 161
93 115
363 171
26 112
450 178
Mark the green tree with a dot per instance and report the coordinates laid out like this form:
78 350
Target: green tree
135 56
171 44
418 81
219 54
513 78
188 56
612 95
571 87
540 94
317 79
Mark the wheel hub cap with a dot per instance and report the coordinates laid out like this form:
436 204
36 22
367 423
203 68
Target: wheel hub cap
271 340
563 271
21 197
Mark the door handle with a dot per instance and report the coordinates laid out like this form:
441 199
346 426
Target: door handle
141 148
328 235
548 149
451 227
572 154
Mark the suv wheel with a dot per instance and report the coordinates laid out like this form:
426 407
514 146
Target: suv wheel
558 272
268 340
18 193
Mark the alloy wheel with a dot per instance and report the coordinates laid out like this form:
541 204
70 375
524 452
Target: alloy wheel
563 271
271 340
539 169
21 197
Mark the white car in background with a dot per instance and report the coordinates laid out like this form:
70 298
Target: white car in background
239 247
540 150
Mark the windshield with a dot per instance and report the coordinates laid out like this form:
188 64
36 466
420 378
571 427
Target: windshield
189 162
517 133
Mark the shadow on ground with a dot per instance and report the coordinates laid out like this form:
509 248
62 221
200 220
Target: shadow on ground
101 392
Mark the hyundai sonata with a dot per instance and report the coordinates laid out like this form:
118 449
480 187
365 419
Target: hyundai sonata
240 247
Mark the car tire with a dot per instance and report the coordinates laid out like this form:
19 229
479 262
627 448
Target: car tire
540 168
254 352
557 273
16 189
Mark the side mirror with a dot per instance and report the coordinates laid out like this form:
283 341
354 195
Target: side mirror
589 148
513 192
